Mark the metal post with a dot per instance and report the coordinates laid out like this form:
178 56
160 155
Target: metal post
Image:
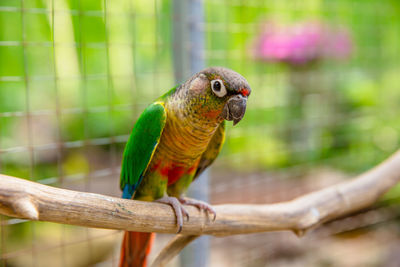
188 45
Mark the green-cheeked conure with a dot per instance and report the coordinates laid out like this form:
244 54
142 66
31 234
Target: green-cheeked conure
174 140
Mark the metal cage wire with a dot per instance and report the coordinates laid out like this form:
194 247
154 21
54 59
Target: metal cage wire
84 70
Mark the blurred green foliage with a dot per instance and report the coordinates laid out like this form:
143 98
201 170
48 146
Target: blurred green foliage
361 126
85 82
91 77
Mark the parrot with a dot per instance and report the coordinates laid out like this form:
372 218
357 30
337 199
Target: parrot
172 142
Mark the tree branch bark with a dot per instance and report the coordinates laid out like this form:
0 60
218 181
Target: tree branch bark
172 249
25 199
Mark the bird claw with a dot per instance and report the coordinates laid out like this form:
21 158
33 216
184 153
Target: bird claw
201 205
179 210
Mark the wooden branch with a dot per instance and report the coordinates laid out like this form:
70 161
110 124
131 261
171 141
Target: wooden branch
25 199
334 202
172 249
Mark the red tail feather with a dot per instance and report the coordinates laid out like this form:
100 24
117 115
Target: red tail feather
135 248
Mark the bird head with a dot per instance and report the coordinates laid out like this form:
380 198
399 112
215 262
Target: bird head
219 93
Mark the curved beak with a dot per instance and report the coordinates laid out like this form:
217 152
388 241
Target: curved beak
234 108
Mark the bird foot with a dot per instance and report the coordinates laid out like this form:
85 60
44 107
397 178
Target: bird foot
179 210
201 205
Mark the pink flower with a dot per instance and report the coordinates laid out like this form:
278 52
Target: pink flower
303 42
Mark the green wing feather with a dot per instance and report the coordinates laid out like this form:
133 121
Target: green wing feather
167 94
140 147
212 150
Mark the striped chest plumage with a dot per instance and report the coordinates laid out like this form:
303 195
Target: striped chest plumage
183 141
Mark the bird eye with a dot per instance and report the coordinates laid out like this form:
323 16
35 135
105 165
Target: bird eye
218 88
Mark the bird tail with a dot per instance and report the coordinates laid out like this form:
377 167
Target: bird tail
135 249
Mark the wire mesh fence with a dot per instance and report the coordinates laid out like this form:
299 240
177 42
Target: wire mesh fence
74 76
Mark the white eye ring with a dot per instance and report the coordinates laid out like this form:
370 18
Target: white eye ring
218 87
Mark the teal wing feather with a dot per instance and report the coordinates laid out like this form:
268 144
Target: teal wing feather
212 150
140 147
